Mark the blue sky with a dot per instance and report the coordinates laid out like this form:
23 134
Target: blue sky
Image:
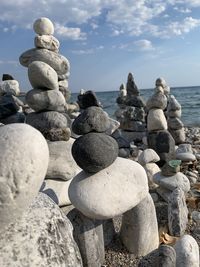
104 40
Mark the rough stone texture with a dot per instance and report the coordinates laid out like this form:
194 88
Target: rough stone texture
135 101
94 151
101 195
114 125
156 120
158 100
139 230
18 117
41 100
47 41
178 180
178 135
171 167
177 213
57 134
8 106
41 75
184 152
164 193
9 87
92 119
57 190
88 235
43 26
175 123
23 164
148 156
108 231
61 163
46 120
167 256
42 237
131 87
58 62
151 169
187 252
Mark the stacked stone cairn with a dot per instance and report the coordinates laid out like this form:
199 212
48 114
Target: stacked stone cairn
45 66
10 106
131 115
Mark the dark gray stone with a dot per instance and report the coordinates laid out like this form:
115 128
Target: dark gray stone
150 260
92 119
122 143
135 101
8 106
158 100
175 123
88 234
131 87
124 152
108 231
94 151
6 77
18 117
167 256
88 99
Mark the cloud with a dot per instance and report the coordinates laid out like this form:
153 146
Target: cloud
144 45
69 33
87 51
10 62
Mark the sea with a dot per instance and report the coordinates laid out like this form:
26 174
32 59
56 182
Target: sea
188 97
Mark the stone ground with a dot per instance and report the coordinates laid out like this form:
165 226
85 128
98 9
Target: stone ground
116 253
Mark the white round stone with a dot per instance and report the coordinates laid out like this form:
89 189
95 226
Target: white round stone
147 156
41 75
156 120
23 164
43 26
110 192
10 87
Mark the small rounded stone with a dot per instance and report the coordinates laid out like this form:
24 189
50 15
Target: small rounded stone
43 26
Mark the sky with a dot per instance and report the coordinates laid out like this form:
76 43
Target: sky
104 40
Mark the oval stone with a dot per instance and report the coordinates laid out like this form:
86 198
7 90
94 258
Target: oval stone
23 164
9 87
111 191
47 41
94 151
92 119
39 100
43 26
58 62
156 120
41 75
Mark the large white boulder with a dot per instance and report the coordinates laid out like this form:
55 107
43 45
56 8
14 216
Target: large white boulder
23 164
111 191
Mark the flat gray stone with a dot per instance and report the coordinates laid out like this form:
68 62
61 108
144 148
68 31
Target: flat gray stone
23 164
41 237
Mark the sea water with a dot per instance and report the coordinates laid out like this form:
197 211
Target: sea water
188 97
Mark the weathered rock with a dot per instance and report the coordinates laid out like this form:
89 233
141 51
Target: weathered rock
171 167
173 104
131 87
94 151
124 152
148 156
57 134
158 100
18 117
160 82
9 87
174 113
23 164
58 62
47 41
41 75
178 180
187 252
151 169
88 99
61 163
8 106
6 77
167 256
88 235
177 213
139 231
164 193
175 123
42 237
100 195
135 101
92 119
108 231
114 125
43 26
178 135
184 152
42 100
156 120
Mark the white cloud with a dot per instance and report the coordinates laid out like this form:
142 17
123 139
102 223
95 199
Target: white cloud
69 33
144 45
83 52
10 62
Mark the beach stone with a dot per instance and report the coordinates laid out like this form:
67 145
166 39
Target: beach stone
114 125
57 190
122 143
148 156
149 260
151 169
178 180
167 256
94 151
46 120
92 119
196 216
131 87
139 230
184 152
166 90
9 87
42 237
160 82
41 75
8 106
174 113
108 231
88 99
18 117
135 126
164 193
43 26
158 100
61 163
23 164
88 234
159 89
43 100
66 92
58 62
175 123
100 195
133 136
187 252
64 83
178 135
173 104
6 77
135 101
156 120
57 134
47 41
177 213
124 152
171 167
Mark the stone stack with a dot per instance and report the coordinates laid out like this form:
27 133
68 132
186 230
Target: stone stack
10 105
45 66
175 125
131 112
